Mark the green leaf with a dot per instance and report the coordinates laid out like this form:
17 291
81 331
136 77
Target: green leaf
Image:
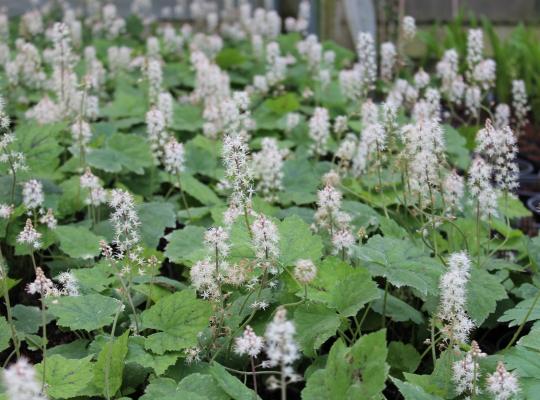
187 117
5 334
483 292
67 378
515 316
230 57
283 104
402 357
230 384
512 207
300 182
127 102
133 150
40 146
110 365
28 319
186 245
203 385
413 392
106 160
139 355
397 309
401 262
199 191
87 312
168 389
180 317
315 324
297 242
369 362
351 294
78 242
155 217
456 147
362 376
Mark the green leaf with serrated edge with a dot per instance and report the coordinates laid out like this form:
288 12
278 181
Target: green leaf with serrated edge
167 389
516 315
413 392
402 263
133 150
198 190
300 182
342 287
396 309
296 241
155 217
351 294
86 312
5 334
369 361
110 365
96 278
29 319
231 384
315 324
139 355
67 378
402 357
483 292
185 246
180 317
363 376
78 241
204 385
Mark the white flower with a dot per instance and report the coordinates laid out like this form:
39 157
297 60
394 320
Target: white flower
33 197
367 62
173 157
292 121
42 285
503 385
453 298
475 48
408 25
265 238
319 130
388 60
499 147
520 103
268 168
21 383
466 372
280 345
5 210
157 135
342 241
502 116
453 189
124 220
69 282
305 271
29 235
49 219
249 343
421 79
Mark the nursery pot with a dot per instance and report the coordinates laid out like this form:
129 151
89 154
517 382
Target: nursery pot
533 204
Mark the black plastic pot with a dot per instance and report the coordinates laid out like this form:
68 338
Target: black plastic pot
533 204
525 167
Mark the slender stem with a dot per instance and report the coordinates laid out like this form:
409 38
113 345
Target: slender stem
383 318
433 354
525 319
254 372
14 337
43 339
283 383
182 194
109 353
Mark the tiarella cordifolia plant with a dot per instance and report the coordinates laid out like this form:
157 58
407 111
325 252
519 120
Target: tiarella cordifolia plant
233 208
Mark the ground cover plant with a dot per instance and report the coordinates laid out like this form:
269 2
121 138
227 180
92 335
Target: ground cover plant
234 210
